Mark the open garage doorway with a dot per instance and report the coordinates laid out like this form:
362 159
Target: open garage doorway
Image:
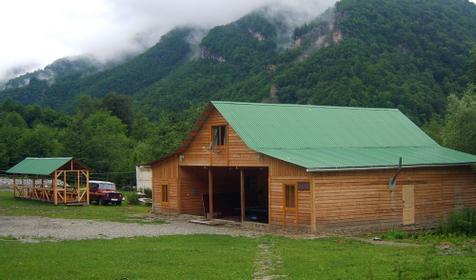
228 197
231 188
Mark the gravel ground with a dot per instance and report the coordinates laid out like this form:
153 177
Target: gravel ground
31 229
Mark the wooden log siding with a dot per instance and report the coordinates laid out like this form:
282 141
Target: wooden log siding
342 200
193 184
166 173
362 200
234 153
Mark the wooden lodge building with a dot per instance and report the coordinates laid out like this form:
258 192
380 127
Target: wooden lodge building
317 167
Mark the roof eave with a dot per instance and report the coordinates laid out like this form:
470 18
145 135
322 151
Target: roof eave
384 167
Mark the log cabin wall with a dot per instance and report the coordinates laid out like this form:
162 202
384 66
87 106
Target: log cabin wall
166 173
361 200
280 174
193 184
234 153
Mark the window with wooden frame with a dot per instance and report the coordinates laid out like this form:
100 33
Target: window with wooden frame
165 193
290 196
303 186
219 135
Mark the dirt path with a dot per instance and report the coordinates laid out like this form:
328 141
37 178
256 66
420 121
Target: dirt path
268 263
33 228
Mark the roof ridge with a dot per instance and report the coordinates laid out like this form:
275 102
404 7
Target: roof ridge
349 147
304 106
47 157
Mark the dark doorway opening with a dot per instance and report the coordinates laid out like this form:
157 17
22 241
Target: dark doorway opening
227 195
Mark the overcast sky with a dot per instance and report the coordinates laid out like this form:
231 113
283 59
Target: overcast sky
36 32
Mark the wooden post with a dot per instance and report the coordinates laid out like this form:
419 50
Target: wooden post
43 191
313 207
77 186
55 187
33 188
87 186
64 186
242 195
210 194
14 186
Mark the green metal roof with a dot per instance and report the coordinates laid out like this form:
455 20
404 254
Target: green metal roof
328 137
38 166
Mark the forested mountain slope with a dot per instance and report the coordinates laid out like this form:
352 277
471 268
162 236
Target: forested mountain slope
127 78
406 54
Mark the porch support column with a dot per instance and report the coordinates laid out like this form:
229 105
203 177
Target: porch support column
14 186
242 195
64 185
313 208
87 187
210 194
55 187
78 181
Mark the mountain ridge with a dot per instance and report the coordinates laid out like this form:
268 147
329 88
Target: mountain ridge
406 54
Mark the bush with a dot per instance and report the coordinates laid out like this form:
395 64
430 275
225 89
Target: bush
395 235
461 221
132 198
148 193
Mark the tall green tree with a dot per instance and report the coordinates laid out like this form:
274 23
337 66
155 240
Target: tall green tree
41 141
472 66
12 128
460 126
101 142
119 105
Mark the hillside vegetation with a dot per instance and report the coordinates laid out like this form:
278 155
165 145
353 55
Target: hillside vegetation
412 55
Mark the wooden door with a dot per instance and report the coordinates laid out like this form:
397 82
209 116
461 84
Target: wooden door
408 196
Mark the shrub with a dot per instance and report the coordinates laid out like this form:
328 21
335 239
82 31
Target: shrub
148 193
395 234
132 198
461 221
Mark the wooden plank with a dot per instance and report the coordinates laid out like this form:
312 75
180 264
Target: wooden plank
408 197
242 195
313 208
87 186
210 193
64 187
78 181
55 188
14 186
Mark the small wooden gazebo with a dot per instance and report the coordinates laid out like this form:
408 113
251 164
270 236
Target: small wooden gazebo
55 180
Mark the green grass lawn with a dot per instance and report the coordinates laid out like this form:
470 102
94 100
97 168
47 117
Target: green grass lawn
10 206
350 259
172 257
224 257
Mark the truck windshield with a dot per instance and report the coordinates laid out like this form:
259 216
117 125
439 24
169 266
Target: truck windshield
107 186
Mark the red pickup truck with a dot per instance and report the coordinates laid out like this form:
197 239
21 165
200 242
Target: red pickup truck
103 193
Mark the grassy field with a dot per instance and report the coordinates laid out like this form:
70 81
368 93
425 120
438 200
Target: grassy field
10 206
223 257
422 256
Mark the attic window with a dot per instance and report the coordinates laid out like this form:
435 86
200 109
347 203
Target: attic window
219 135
